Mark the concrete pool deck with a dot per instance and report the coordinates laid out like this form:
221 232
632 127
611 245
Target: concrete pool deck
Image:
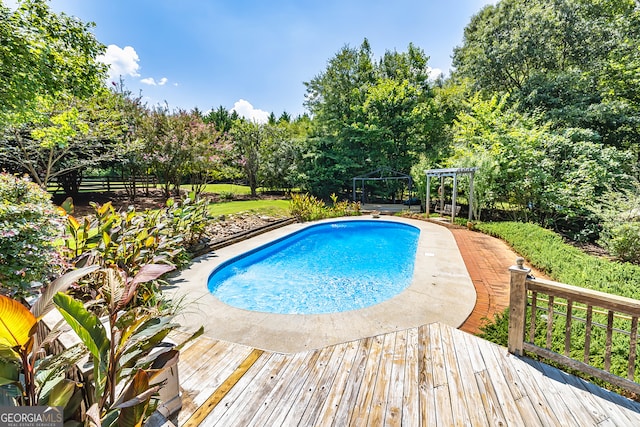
441 291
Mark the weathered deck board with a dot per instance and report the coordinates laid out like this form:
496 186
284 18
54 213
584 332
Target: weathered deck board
432 375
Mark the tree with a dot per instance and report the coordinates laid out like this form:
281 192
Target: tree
44 54
181 145
221 118
574 61
506 44
533 171
249 138
281 153
130 160
64 137
367 115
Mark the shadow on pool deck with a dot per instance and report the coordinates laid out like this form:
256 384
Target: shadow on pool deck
441 291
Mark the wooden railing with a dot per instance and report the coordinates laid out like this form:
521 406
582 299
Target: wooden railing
106 183
575 327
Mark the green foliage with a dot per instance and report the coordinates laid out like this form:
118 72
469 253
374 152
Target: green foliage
28 376
496 330
573 61
227 196
132 239
29 225
367 116
534 172
619 213
181 144
250 138
189 217
64 137
123 368
305 207
222 119
548 252
44 54
562 262
508 43
280 155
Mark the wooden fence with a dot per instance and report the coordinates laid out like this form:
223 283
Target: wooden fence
541 310
106 183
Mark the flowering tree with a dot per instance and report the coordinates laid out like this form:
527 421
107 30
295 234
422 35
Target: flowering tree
180 145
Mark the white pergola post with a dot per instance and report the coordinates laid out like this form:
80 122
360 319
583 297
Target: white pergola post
452 172
471 197
428 196
453 197
441 192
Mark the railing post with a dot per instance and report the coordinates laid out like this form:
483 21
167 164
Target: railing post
517 306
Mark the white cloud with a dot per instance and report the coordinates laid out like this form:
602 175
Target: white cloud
246 110
152 82
434 73
121 62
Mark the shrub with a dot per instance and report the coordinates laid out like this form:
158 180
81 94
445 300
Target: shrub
623 241
227 196
619 213
305 207
548 252
29 225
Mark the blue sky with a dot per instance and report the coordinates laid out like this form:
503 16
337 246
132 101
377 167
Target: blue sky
255 55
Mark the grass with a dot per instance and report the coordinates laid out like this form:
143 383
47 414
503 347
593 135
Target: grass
275 208
240 190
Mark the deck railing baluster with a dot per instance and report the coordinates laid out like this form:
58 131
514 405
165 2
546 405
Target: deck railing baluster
607 354
557 300
550 321
534 316
567 328
633 341
587 334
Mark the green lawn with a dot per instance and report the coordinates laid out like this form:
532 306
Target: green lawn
222 188
277 208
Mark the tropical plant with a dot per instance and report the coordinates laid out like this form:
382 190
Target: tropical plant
27 377
123 366
189 218
130 240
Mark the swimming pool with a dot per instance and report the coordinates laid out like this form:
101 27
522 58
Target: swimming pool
326 268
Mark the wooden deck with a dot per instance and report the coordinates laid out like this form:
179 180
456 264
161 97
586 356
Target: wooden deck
426 376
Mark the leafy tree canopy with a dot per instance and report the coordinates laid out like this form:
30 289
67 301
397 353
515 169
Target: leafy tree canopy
367 114
44 54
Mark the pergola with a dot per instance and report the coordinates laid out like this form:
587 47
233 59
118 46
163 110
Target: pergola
453 173
382 174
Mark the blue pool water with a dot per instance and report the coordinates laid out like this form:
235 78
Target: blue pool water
326 268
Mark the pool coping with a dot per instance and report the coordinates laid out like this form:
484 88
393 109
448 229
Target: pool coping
441 291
